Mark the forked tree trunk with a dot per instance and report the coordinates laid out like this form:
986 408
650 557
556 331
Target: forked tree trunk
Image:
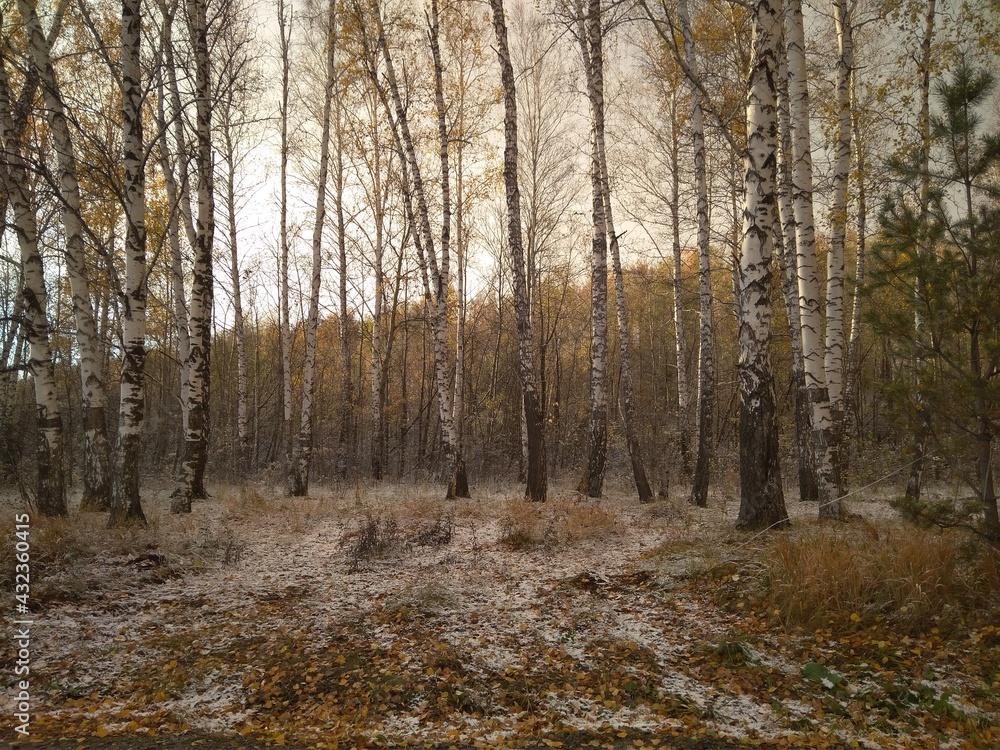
823 439
834 360
706 342
592 483
787 258
537 479
300 482
194 458
596 75
50 488
762 503
96 474
434 275
126 507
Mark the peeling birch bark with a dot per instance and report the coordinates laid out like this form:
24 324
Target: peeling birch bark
126 507
194 458
823 439
762 503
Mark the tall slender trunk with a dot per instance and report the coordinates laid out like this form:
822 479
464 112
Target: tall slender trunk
96 474
285 334
458 404
345 452
243 437
787 258
300 482
852 370
706 361
194 459
596 44
377 373
762 503
178 198
921 431
434 275
834 357
592 483
126 507
50 487
537 479
823 439
680 334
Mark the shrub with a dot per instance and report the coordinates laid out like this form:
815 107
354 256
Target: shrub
909 578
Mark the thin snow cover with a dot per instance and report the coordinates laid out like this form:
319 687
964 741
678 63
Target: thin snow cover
248 574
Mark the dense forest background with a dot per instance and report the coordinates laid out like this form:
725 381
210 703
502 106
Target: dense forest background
277 241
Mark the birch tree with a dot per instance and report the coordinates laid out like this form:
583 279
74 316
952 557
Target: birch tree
592 483
810 312
762 503
96 475
787 259
125 504
537 480
435 272
921 432
303 454
194 458
50 487
284 310
593 57
706 362
834 358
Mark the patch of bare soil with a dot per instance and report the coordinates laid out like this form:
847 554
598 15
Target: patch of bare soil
391 618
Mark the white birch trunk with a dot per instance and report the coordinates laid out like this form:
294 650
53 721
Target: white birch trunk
239 324
285 335
345 452
191 482
853 364
50 487
435 277
178 213
706 361
922 430
125 504
300 483
762 503
592 483
680 333
537 478
808 278
97 484
787 258
596 43
834 360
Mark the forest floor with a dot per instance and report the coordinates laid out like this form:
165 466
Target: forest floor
388 617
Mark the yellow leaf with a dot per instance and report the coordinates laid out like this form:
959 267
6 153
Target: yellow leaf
101 731
855 617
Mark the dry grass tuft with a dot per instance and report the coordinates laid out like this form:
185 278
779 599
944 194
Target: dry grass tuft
583 521
525 525
911 579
